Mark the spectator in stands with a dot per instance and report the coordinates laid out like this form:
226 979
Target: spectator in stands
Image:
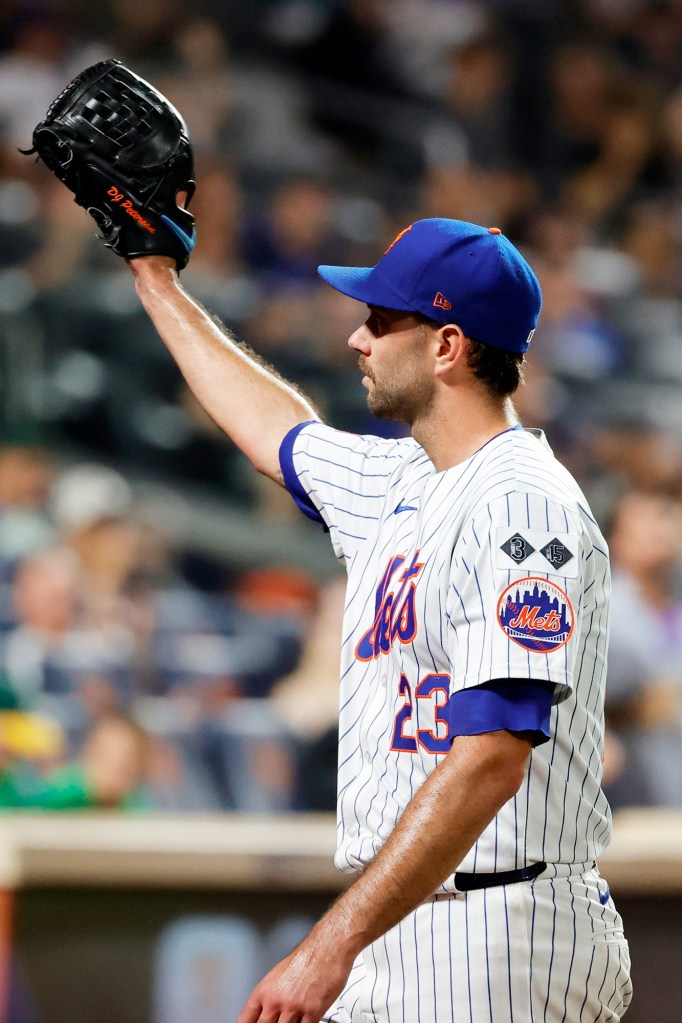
650 237
644 690
25 526
218 209
477 103
51 659
143 33
108 772
307 701
92 508
31 73
285 242
201 80
345 88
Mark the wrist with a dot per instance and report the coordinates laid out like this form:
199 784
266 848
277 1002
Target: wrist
153 272
341 931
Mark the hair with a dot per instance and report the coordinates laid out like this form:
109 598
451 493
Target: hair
124 720
501 371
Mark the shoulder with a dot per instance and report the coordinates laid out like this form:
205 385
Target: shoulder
353 453
518 489
315 433
520 465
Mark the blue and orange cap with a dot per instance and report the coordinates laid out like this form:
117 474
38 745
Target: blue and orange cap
451 272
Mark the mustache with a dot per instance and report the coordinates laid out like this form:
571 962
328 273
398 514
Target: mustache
364 368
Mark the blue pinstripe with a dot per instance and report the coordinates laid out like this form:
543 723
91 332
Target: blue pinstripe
416 955
582 1007
451 972
509 966
433 961
466 932
570 965
402 965
487 952
551 955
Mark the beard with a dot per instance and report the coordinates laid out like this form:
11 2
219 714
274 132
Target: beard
400 396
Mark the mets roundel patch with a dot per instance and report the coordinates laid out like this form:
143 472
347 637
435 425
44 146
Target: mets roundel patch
536 614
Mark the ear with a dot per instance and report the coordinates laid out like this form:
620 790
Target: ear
450 351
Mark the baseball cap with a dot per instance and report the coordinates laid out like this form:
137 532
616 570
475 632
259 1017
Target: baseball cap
452 272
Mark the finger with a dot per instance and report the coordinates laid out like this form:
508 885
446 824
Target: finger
181 197
251 1013
271 1016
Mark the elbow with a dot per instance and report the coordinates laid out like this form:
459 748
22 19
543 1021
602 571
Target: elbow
262 452
265 466
510 779
498 761
508 771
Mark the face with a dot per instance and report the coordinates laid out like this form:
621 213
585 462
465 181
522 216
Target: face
393 356
114 761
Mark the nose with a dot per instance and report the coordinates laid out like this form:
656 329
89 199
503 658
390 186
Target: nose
360 340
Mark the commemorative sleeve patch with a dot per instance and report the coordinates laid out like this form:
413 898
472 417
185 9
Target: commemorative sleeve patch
535 551
536 614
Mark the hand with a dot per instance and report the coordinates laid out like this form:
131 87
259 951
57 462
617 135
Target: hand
144 266
301 987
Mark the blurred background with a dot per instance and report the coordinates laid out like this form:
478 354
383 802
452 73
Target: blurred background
169 623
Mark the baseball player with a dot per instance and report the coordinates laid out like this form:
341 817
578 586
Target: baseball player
473 656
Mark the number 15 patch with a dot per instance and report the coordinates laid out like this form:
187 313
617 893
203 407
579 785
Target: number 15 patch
535 551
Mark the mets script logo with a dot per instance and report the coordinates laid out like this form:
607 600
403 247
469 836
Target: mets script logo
536 614
394 614
398 237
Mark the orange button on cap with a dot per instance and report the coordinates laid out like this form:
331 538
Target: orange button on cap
494 230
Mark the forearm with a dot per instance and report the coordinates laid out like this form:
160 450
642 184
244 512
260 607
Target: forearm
436 831
251 403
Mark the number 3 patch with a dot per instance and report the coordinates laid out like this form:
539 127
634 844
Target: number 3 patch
536 614
535 551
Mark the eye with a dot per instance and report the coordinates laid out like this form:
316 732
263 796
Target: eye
376 323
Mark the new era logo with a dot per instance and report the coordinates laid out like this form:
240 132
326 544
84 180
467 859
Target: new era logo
442 302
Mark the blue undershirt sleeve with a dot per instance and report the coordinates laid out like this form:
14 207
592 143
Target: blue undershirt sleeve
517 705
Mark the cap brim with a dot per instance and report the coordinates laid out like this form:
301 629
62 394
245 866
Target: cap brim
363 284
349 280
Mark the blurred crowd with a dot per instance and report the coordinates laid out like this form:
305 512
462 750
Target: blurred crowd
138 672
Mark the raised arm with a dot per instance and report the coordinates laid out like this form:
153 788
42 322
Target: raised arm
245 397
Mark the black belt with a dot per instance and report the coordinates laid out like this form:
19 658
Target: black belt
470 882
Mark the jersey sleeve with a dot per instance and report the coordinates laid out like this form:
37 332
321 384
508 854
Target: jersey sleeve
341 479
518 576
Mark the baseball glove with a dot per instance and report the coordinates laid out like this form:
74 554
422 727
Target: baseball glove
124 151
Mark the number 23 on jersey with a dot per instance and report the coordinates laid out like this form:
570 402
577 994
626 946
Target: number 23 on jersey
405 739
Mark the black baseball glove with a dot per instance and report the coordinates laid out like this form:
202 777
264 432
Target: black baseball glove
124 151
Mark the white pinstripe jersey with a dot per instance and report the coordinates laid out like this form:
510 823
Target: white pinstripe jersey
492 569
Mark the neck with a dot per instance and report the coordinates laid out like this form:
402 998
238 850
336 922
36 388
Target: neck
453 433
